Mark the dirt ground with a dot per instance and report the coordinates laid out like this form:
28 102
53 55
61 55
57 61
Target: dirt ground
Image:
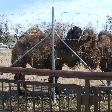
5 60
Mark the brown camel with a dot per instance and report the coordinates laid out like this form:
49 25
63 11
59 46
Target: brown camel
88 48
40 57
105 46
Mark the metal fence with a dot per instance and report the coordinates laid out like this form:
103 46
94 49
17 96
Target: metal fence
38 96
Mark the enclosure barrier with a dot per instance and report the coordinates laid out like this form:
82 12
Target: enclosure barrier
37 96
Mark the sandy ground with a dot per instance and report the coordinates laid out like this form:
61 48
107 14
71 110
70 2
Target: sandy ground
5 57
5 60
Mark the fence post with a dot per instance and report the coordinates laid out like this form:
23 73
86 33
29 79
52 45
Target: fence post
87 97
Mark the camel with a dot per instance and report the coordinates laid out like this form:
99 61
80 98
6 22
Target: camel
40 57
105 47
89 49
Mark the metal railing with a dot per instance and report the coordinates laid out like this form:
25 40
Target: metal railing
38 96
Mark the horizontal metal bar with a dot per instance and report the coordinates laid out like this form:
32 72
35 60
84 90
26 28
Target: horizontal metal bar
58 73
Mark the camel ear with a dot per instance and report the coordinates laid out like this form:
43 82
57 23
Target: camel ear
16 38
20 43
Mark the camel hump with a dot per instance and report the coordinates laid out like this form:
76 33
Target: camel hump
34 31
104 33
74 33
32 34
105 38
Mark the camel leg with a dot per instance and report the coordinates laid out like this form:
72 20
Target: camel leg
50 79
58 66
18 77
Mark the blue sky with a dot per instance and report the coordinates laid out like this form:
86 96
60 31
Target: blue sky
79 12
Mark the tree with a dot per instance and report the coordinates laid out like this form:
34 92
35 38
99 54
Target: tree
4 32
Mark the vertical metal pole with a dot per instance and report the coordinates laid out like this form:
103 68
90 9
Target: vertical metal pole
53 50
109 98
3 107
33 98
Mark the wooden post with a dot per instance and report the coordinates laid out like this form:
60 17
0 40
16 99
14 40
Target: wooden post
87 92
79 99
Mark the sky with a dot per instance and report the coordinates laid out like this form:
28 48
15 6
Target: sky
78 12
